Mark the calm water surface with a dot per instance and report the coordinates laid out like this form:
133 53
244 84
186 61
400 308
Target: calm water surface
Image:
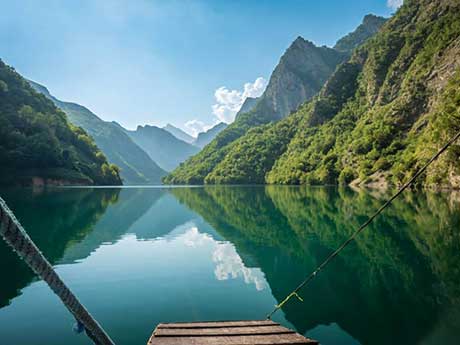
139 256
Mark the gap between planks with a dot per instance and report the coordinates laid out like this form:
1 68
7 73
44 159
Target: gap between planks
218 324
221 331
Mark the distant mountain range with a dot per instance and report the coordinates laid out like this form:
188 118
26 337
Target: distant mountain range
204 138
299 76
162 147
179 133
135 164
145 155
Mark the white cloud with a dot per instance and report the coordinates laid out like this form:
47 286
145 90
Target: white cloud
194 127
229 102
394 4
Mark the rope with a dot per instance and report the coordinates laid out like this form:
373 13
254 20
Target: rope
362 227
14 235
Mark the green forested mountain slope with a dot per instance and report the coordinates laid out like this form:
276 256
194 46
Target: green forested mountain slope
136 166
402 109
369 27
378 118
39 145
300 74
163 147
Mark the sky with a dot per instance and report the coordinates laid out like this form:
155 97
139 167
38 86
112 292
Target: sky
190 63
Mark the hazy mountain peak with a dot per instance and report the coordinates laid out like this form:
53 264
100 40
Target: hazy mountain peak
205 138
179 133
162 146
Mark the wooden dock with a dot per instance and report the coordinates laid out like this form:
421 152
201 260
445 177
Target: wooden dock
265 332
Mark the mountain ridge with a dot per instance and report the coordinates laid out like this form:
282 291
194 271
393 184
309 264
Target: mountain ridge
369 27
39 146
162 146
302 70
179 133
378 118
135 164
204 138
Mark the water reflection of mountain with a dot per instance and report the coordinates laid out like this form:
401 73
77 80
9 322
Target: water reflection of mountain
162 218
132 204
55 220
78 221
396 282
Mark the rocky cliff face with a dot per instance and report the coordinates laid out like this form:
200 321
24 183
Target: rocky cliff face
301 73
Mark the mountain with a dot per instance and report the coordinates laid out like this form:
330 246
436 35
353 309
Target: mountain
369 27
163 147
301 73
179 133
377 119
205 138
248 104
136 167
38 146
299 76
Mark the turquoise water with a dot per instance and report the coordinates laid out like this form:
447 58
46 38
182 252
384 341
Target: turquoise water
139 256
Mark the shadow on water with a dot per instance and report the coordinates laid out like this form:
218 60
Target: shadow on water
399 280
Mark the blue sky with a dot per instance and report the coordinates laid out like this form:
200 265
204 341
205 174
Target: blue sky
160 61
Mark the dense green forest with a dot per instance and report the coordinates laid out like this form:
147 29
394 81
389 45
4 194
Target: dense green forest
380 116
298 77
37 141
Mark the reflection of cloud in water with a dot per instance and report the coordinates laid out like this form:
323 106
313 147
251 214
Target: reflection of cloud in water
228 263
193 238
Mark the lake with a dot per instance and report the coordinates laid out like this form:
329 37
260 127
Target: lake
139 256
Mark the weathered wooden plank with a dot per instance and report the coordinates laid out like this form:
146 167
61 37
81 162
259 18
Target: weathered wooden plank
221 331
273 339
213 324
